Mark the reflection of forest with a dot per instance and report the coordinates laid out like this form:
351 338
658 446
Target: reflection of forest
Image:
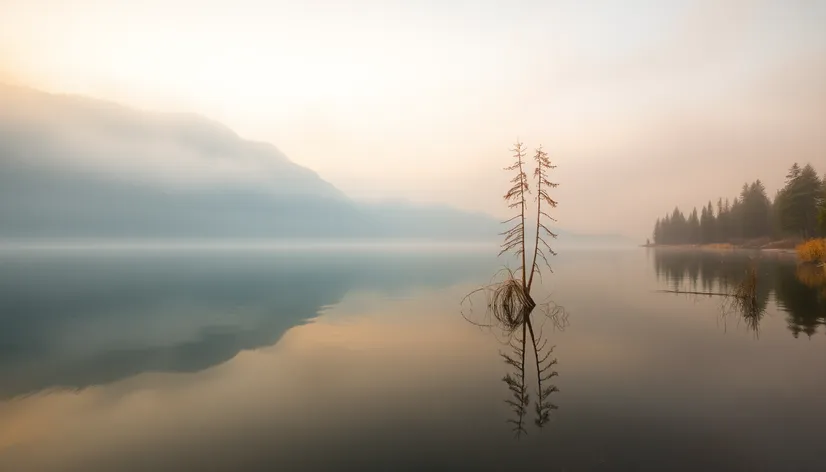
800 290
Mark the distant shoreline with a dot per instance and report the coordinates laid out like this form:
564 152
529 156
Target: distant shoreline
780 247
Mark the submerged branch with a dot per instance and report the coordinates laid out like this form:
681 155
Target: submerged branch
685 292
742 300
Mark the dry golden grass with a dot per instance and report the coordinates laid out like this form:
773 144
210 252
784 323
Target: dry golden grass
720 246
813 250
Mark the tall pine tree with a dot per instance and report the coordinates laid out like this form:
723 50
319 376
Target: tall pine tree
679 227
658 232
800 202
723 233
693 228
754 212
707 225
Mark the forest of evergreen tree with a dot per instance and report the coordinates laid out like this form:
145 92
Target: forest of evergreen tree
797 211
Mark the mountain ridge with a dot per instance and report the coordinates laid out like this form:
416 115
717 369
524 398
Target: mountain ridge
74 166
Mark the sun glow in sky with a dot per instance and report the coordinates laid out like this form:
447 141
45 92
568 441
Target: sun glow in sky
422 99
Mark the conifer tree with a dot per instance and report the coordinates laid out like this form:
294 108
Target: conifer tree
801 201
706 226
658 232
694 228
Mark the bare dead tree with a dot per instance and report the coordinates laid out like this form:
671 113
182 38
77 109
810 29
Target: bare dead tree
543 165
515 197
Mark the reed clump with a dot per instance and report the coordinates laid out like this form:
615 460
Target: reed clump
508 303
747 288
511 303
744 299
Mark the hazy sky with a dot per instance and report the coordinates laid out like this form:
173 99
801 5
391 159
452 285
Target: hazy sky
642 104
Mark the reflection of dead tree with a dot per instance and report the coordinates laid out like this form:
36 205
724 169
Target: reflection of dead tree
516 383
544 373
521 331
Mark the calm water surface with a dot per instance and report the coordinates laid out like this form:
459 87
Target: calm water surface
258 360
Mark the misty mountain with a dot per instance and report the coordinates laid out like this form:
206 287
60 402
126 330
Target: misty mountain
75 167
78 167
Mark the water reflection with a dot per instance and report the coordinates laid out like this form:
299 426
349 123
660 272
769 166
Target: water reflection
800 292
74 320
799 289
522 332
390 378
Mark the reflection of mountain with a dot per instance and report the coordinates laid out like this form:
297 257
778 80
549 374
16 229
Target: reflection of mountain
75 321
798 292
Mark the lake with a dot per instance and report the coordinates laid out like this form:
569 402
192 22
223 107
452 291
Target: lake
352 359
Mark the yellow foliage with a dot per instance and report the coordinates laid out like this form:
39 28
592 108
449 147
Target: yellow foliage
813 250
